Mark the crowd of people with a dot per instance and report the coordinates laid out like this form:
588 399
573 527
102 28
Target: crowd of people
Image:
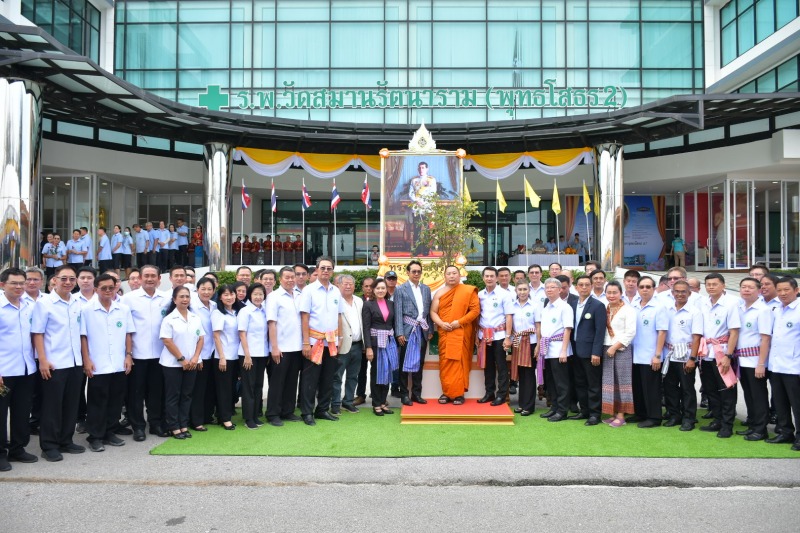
84 358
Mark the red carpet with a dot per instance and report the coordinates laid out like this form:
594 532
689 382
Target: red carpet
471 412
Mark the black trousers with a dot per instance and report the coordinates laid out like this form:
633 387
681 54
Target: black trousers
361 390
283 385
36 399
415 377
317 383
163 260
786 392
141 259
496 369
82 399
527 385
145 388
680 394
588 385
178 388
225 383
252 388
17 403
721 401
199 412
379 393
181 258
104 396
104 265
559 383
152 259
60 396
756 397
647 392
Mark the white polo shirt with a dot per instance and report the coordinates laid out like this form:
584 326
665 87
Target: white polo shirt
16 350
525 316
716 320
148 312
323 307
253 320
60 322
537 296
105 331
556 317
680 325
282 308
204 313
651 318
227 324
75 246
756 320
784 351
495 306
184 332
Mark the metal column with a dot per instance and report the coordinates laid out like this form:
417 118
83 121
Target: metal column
217 158
612 208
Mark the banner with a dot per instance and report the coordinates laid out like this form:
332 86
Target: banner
643 237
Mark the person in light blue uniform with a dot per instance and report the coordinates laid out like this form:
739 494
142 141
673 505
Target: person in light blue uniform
648 347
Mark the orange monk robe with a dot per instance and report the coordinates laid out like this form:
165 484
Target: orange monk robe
455 347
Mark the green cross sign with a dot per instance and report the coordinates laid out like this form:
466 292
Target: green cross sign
213 99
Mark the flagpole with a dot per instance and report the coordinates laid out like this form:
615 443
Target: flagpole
241 233
586 214
335 248
558 248
366 227
272 230
496 210
525 204
303 209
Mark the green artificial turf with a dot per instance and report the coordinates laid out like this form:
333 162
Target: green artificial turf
366 435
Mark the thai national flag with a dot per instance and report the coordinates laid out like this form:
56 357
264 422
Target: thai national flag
306 197
246 198
365 196
274 199
334 197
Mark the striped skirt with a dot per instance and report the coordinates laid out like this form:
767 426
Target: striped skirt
618 382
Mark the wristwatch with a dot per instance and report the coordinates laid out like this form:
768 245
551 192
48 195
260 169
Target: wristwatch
181 359
692 358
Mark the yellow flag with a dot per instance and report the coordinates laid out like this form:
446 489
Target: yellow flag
556 202
531 194
501 202
467 195
586 202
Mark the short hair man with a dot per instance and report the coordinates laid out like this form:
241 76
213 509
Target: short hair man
351 350
412 307
587 345
554 332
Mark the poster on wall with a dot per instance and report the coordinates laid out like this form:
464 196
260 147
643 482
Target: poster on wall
644 223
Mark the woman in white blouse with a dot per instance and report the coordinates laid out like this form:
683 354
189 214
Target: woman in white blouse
182 334
253 345
203 307
618 357
225 324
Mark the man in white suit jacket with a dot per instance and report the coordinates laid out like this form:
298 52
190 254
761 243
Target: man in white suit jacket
351 348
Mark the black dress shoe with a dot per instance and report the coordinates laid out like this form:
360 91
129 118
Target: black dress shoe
291 418
405 400
525 413
96 446
80 428
647 424
324 415
487 398
671 423
179 435
71 448
113 440
796 446
498 401
547 414
229 428
724 433
512 389
518 409
558 417
713 426
579 416
277 422
687 426
309 420
23 457
52 456
634 419
780 438
123 431
5 466
746 423
592 421
708 416
139 435
755 437
745 432
419 399
387 411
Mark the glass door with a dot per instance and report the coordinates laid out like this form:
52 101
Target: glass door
742 216
790 224
718 221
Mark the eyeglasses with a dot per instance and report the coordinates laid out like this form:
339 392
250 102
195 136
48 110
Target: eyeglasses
646 287
415 271
15 283
325 269
675 279
108 288
65 279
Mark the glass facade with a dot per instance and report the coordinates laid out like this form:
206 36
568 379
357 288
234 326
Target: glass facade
74 23
176 49
745 23
783 78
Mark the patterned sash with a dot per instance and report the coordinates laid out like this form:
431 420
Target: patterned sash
319 346
387 354
676 353
488 338
732 375
544 346
521 352
414 344
752 351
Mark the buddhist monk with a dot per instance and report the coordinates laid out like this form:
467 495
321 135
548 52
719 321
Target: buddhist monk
455 309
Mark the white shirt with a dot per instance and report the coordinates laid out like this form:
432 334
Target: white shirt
651 318
253 320
282 308
680 325
60 322
226 323
323 306
184 332
525 316
495 306
105 332
600 297
632 301
353 318
89 243
668 299
717 320
756 320
204 313
52 249
416 290
16 350
624 326
784 351
104 252
30 300
538 296
148 313
556 317
75 246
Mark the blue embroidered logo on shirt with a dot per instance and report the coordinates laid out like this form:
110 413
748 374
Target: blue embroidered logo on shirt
749 325
163 312
646 322
119 324
527 314
495 304
553 320
789 324
197 332
718 322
